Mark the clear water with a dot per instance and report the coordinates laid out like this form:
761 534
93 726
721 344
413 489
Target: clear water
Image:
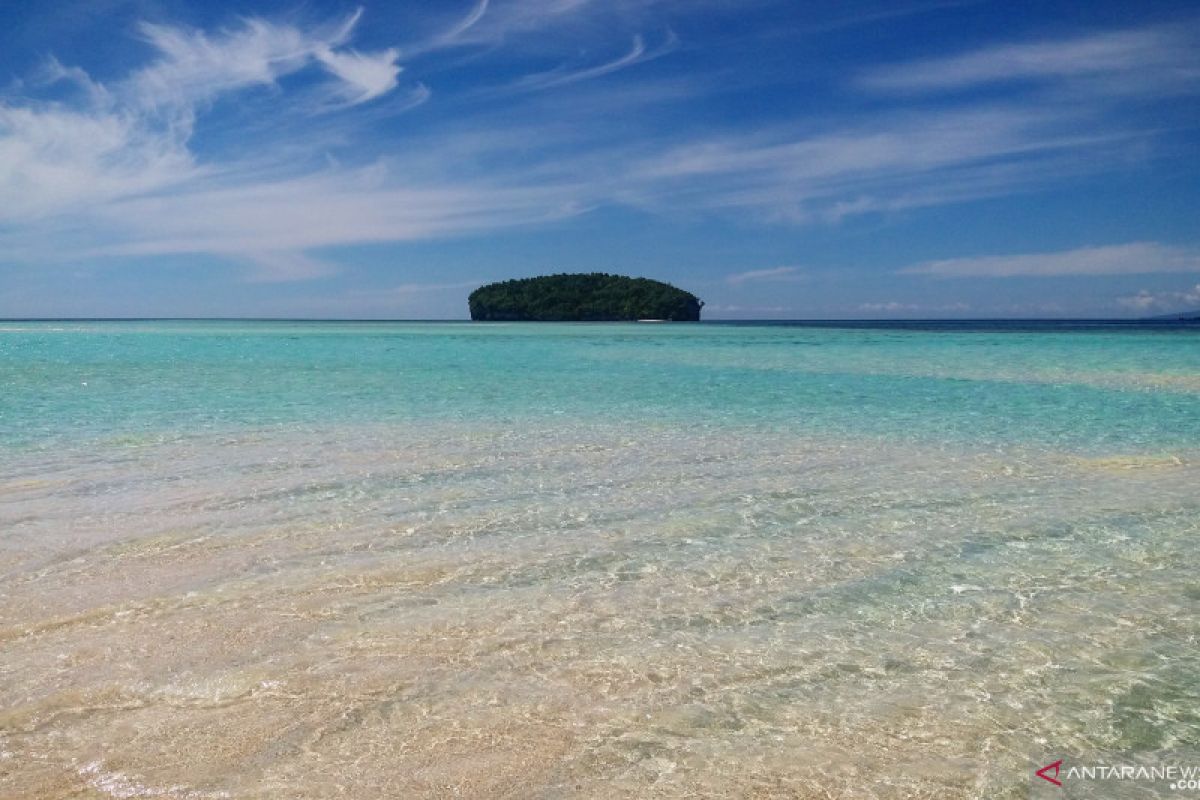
283 560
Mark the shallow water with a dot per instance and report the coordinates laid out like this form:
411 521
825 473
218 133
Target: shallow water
286 560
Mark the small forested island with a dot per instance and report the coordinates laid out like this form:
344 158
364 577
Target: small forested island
591 297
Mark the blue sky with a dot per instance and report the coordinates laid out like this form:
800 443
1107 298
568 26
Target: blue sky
935 158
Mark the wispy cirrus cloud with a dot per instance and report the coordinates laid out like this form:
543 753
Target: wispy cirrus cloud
194 67
742 311
132 137
274 224
112 172
898 307
491 23
900 143
364 76
563 76
120 167
486 24
1135 258
410 300
465 24
774 274
56 160
1163 57
896 161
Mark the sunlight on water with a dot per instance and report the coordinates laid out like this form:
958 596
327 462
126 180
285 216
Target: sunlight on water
285 560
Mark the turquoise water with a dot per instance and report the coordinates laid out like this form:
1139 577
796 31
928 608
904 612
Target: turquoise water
1094 390
293 560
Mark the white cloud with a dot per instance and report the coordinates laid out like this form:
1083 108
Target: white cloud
54 71
132 138
115 170
468 22
406 291
1146 301
488 26
55 160
1122 259
904 143
365 76
1161 58
898 161
895 306
195 68
891 305
562 76
271 222
399 301
760 275
283 266
1142 301
736 309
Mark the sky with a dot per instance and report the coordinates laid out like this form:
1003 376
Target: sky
780 159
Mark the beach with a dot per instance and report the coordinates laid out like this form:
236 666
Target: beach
369 560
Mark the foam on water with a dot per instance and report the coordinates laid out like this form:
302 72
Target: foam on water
364 562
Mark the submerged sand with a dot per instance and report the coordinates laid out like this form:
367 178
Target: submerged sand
600 611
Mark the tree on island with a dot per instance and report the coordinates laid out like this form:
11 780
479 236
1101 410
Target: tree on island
591 297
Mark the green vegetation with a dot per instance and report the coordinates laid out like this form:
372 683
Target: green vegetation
592 297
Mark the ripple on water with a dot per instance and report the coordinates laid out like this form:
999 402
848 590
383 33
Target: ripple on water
606 611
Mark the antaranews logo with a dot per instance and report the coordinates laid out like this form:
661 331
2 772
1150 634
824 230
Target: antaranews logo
1178 775
1045 772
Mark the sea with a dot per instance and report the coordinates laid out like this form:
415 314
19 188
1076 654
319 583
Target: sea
277 559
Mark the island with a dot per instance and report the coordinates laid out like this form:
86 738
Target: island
590 297
1179 316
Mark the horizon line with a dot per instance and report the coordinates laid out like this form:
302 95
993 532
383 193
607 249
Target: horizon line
1183 316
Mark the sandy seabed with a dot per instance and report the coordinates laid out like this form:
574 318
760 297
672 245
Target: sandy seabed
585 611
